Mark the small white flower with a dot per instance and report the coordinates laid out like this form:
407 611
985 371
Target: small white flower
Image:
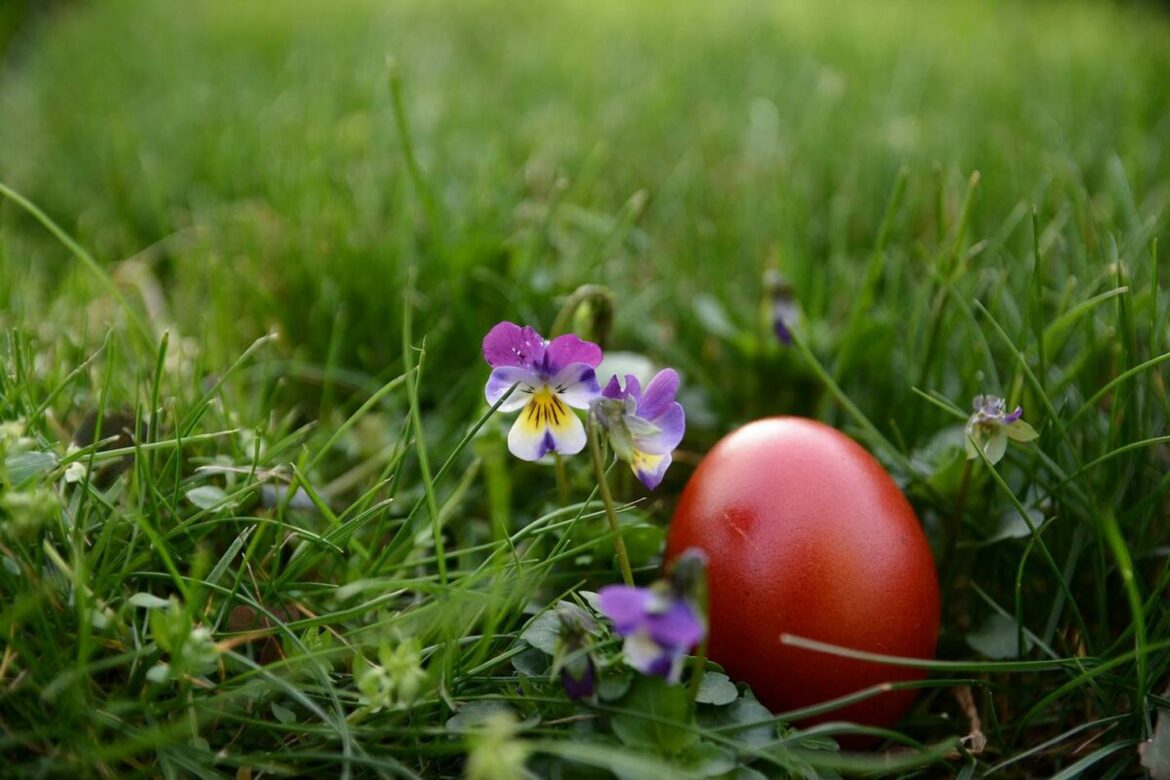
75 472
990 426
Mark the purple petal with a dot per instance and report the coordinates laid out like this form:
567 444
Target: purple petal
567 349
507 344
579 687
633 388
783 335
1017 414
677 628
613 389
650 469
672 425
784 314
659 394
504 377
662 666
625 606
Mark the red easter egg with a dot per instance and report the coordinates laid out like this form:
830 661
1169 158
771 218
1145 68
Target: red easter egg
806 534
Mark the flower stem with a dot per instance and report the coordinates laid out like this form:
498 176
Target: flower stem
562 480
699 662
698 668
619 544
954 524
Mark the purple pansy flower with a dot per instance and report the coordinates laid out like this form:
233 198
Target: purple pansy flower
658 625
644 427
990 426
782 306
550 377
584 684
573 659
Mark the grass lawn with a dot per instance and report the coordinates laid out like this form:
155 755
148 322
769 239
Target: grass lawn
260 244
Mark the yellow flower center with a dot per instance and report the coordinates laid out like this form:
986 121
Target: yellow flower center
546 410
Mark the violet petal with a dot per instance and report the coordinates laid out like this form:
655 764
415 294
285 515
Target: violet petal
633 388
662 666
625 606
508 344
579 687
567 349
613 389
671 425
659 394
676 628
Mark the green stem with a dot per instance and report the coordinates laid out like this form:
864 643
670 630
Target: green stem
954 524
424 463
562 480
699 662
1116 542
619 544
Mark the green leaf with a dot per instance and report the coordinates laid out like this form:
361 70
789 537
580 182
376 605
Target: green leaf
542 632
359 665
941 460
531 662
208 497
1156 752
1012 526
159 673
997 638
23 466
474 714
709 760
741 712
1021 431
643 542
160 629
147 601
615 684
283 714
747 773
654 716
717 689
591 598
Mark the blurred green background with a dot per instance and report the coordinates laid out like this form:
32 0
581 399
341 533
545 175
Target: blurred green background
964 197
240 169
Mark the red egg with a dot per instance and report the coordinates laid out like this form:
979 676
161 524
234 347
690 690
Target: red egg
807 534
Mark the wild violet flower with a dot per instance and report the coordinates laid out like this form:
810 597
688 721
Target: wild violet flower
990 426
658 624
550 377
643 427
573 661
782 308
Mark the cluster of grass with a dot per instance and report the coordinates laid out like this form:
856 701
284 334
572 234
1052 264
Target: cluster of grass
962 200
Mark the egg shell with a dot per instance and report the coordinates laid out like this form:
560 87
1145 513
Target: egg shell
807 534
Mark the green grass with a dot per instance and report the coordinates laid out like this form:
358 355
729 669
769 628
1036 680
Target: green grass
966 197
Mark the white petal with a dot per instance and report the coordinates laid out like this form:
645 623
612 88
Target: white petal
545 425
996 447
502 379
576 385
641 651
